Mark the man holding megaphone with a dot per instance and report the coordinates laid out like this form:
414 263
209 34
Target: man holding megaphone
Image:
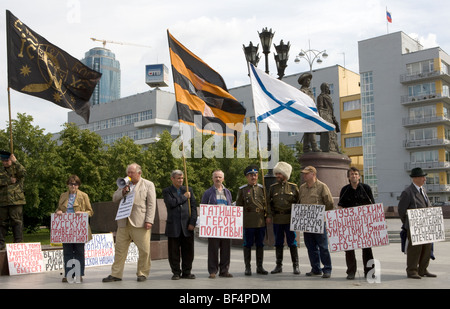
137 226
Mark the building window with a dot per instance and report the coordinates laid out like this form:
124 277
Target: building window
368 135
419 112
422 90
352 105
423 134
425 156
353 142
421 67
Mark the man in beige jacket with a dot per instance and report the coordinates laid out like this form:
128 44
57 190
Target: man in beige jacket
137 227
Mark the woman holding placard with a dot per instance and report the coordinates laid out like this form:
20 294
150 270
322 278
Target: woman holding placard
74 201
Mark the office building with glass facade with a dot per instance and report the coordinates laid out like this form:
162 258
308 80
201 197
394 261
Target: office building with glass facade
104 61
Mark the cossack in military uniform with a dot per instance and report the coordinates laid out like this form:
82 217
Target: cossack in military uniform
252 198
282 195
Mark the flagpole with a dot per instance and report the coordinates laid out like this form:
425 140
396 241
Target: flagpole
387 22
10 122
185 169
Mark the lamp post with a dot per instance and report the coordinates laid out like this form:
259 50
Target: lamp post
281 58
311 55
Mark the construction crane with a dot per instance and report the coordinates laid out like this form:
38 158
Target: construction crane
121 43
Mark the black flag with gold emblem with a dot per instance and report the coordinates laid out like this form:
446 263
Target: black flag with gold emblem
39 68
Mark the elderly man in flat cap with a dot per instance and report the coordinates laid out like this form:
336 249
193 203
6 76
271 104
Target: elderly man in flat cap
12 197
315 192
282 194
418 256
253 199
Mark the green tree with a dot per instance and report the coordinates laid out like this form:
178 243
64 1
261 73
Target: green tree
84 154
37 152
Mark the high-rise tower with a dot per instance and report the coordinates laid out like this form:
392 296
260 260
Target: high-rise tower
104 61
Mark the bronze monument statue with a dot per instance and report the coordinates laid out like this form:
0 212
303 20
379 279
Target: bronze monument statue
328 140
309 139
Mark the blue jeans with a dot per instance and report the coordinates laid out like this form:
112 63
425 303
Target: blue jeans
279 231
317 245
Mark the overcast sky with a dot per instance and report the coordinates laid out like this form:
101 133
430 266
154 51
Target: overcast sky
215 31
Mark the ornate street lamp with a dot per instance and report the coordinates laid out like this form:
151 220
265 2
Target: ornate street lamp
266 37
310 56
251 53
282 57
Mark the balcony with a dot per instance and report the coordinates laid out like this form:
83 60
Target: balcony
437 188
425 98
427 165
417 121
431 142
423 77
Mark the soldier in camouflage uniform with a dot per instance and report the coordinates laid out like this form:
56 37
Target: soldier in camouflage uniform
282 195
12 197
252 198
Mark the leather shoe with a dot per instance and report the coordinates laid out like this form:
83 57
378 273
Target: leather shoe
414 276
141 278
188 276
111 279
427 274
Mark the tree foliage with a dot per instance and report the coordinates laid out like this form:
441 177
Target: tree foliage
50 160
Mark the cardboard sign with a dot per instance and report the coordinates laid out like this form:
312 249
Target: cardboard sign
99 250
69 228
356 227
125 206
24 258
426 225
308 218
53 260
221 221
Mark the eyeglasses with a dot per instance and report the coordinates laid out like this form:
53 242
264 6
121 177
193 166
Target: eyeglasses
73 184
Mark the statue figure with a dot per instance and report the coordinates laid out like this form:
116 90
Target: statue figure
309 139
328 140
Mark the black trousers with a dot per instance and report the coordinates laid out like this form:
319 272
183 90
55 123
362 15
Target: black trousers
218 248
350 259
181 249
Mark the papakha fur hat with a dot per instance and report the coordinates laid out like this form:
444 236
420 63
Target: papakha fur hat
283 168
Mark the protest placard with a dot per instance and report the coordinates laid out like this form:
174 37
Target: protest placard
69 228
125 206
426 225
221 221
99 250
307 218
356 227
53 259
24 258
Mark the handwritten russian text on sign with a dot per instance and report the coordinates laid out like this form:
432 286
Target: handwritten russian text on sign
125 206
99 250
307 218
426 225
356 227
221 221
24 258
69 228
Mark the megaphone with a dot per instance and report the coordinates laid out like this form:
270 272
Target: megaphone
123 182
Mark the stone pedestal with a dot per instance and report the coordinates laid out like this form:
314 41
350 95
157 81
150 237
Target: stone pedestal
331 169
103 221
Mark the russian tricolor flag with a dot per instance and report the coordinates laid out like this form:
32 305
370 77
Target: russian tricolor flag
388 16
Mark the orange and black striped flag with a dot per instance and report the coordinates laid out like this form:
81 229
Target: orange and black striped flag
199 90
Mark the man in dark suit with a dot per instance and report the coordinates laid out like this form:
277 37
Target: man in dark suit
418 256
181 219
